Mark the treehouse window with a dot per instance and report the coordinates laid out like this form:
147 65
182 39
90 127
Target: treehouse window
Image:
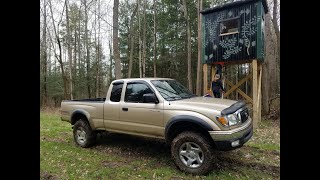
229 26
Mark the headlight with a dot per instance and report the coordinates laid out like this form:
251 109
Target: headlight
228 120
233 120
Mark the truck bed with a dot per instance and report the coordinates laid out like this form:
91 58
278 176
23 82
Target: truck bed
92 106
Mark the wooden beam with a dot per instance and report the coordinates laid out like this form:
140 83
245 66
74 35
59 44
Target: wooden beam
248 98
255 113
237 85
205 78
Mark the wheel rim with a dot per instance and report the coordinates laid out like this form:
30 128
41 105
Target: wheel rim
191 154
81 135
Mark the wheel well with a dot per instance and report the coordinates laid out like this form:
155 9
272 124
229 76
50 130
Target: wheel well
76 117
182 126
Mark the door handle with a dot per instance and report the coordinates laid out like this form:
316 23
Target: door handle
124 109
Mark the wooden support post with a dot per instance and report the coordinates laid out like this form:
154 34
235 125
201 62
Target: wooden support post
205 78
256 91
259 93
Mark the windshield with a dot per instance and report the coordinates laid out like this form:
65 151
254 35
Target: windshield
172 90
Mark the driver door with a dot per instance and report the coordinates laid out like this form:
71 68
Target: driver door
140 117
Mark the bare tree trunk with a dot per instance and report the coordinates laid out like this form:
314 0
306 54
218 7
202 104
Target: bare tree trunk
87 41
265 89
44 56
64 76
199 68
116 51
188 44
272 59
140 48
275 23
74 71
110 67
69 49
80 55
98 56
49 55
59 57
154 38
144 39
79 39
268 73
126 64
131 52
54 52
131 39
98 72
97 53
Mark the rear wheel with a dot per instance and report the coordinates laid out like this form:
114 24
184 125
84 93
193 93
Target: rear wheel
192 153
83 134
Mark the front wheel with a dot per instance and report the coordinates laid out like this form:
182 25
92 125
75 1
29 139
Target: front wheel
83 135
192 153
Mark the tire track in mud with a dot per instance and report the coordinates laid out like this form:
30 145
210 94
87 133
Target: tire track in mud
225 163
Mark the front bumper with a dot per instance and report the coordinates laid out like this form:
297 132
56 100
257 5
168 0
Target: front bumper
224 139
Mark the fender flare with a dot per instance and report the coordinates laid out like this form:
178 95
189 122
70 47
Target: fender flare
82 112
186 118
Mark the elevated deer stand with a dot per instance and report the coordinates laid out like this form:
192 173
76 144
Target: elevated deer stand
233 33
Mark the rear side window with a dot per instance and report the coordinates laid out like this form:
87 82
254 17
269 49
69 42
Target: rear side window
116 92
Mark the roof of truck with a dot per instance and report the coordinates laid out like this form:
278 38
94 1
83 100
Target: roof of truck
148 78
138 79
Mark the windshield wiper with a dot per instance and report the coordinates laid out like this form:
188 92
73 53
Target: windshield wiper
189 96
175 97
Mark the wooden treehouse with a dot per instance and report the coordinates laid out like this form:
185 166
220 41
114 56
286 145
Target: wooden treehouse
233 33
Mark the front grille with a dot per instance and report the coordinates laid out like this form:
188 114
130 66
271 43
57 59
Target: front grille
244 115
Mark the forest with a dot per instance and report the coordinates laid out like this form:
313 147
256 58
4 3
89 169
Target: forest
86 44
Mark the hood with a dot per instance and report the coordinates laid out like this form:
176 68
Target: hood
203 103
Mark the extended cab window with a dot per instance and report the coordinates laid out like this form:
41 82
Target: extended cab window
135 92
116 92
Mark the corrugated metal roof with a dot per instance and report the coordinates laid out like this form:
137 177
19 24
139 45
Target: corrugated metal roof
234 4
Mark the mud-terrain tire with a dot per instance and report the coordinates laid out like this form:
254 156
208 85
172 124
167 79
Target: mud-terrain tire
83 134
192 153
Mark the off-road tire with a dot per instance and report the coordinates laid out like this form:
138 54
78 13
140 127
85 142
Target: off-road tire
83 134
199 140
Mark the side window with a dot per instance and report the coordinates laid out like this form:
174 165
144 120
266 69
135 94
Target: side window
229 26
116 92
134 92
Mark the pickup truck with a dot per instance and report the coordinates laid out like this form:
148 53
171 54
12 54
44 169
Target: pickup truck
193 126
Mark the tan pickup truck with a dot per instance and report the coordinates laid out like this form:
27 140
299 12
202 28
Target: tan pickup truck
163 108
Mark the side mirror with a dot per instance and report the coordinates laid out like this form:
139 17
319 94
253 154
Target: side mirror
150 98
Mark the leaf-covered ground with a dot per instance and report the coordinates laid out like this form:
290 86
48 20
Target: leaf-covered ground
118 156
